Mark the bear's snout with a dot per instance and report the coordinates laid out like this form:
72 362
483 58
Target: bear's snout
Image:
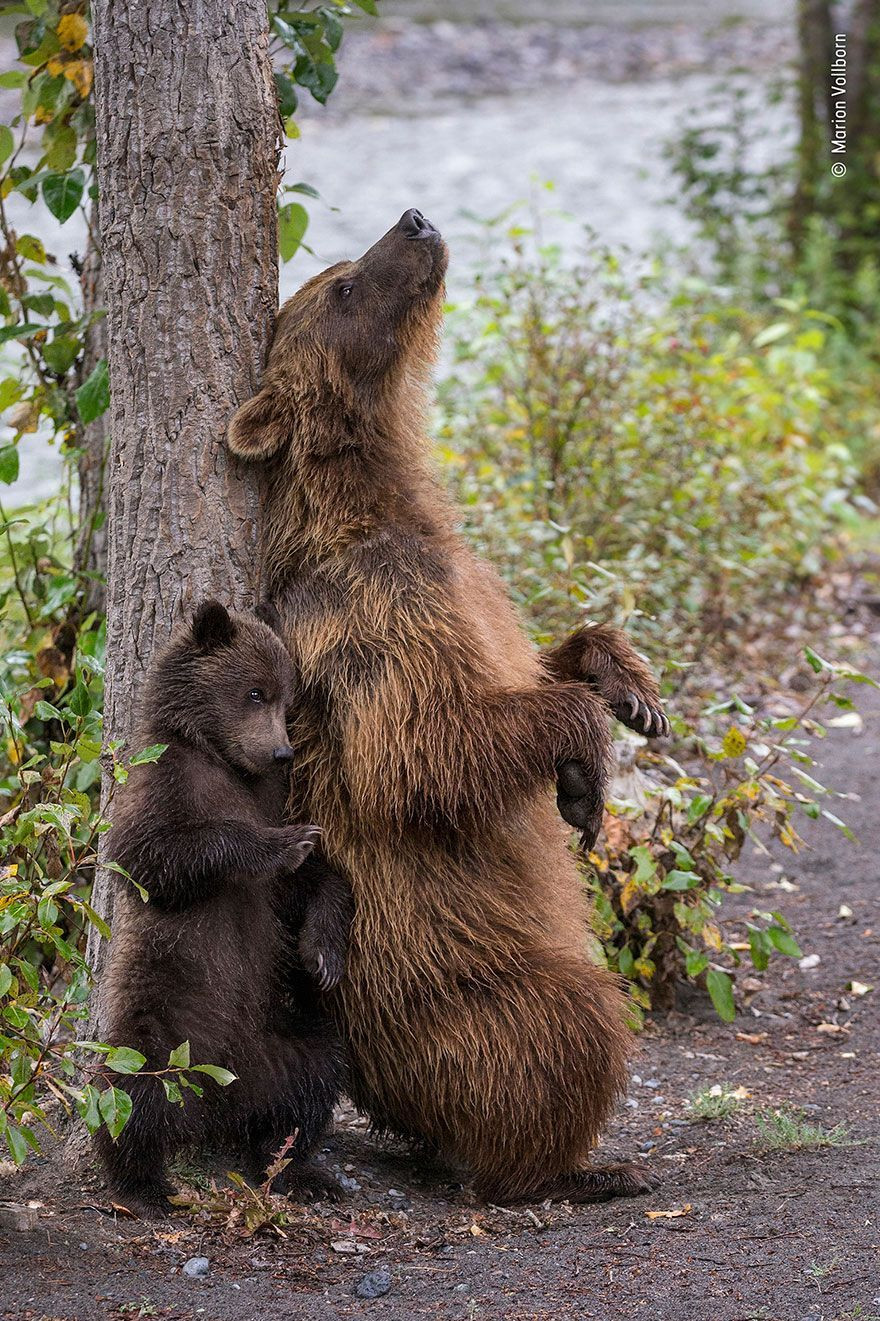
413 225
283 753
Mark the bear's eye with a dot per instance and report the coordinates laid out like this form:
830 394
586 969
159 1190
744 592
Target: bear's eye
257 695
345 290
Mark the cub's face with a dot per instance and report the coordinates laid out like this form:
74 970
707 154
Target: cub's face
341 337
245 680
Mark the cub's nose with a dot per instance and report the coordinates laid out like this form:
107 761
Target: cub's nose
284 753
413 225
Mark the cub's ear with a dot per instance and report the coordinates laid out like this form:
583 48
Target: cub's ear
258 429
212 625
267 613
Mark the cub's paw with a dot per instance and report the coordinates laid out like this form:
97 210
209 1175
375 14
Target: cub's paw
297 843
644 715
579 801
603 1182
325 966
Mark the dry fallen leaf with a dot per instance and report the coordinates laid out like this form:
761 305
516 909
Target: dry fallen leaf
753 1038
832 1029
670 1215
858 988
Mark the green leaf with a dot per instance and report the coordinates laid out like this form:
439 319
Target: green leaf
5 978
60 353
8 464
46 711
698 807
62 193
680 880
60 141
172 1091
153 753
98 922
179 1057
79 701
221 1076
293 220
122 1059
696 961
759 947
784 941
720 988
14 78
815 662
7 142
87 1105
115 1108
93 396
17 1144
625 961
368 6
770 333
287 98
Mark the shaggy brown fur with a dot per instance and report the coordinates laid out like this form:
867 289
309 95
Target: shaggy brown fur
426 735
207 959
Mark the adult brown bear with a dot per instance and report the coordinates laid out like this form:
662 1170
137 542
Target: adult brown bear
426 734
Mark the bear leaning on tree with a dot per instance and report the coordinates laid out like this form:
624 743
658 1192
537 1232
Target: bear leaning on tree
427 733
243 929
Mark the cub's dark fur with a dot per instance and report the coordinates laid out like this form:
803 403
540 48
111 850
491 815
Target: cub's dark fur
208 958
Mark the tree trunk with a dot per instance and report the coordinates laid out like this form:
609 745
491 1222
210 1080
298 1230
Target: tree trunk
90 552
814 115
187 134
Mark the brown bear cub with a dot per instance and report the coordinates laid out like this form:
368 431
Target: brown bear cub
474 1018
239 930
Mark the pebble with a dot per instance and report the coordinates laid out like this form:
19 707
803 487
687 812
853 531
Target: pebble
375 1284
809 961
350 1185
17 1217
196 1268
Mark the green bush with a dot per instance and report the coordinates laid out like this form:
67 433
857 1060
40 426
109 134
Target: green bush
657 461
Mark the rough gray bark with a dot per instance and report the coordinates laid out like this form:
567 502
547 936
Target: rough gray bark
187 132
90 553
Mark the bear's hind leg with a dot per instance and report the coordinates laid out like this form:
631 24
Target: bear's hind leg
599 1184
135 1161
300 1081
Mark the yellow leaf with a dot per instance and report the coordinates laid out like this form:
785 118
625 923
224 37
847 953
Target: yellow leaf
711 936
12 751
670 1215
55 65
43 116
7 873
629 896
72 31
734 744
80 74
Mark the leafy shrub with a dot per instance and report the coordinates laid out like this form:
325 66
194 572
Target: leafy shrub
661 871
638 460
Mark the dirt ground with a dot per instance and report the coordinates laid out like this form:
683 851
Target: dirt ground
744 1231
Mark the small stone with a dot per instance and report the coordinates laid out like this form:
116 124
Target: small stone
84 1246
349 1185
375 1284
460 1288
394 1192
809 961
196 1268
15 1216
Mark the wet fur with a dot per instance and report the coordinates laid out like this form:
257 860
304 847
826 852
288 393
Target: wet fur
219 955
427 735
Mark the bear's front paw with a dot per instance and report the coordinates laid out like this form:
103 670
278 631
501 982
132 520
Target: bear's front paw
324 965
579 800
296 845
644 716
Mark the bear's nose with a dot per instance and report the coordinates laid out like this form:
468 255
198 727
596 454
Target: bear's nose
284 753
413 225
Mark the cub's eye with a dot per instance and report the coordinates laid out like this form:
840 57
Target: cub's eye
345 290
257 695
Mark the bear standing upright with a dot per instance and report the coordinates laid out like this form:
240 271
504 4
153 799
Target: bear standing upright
426 735
209 958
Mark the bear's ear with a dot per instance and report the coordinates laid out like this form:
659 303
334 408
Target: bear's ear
212 625
258 429
267 613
